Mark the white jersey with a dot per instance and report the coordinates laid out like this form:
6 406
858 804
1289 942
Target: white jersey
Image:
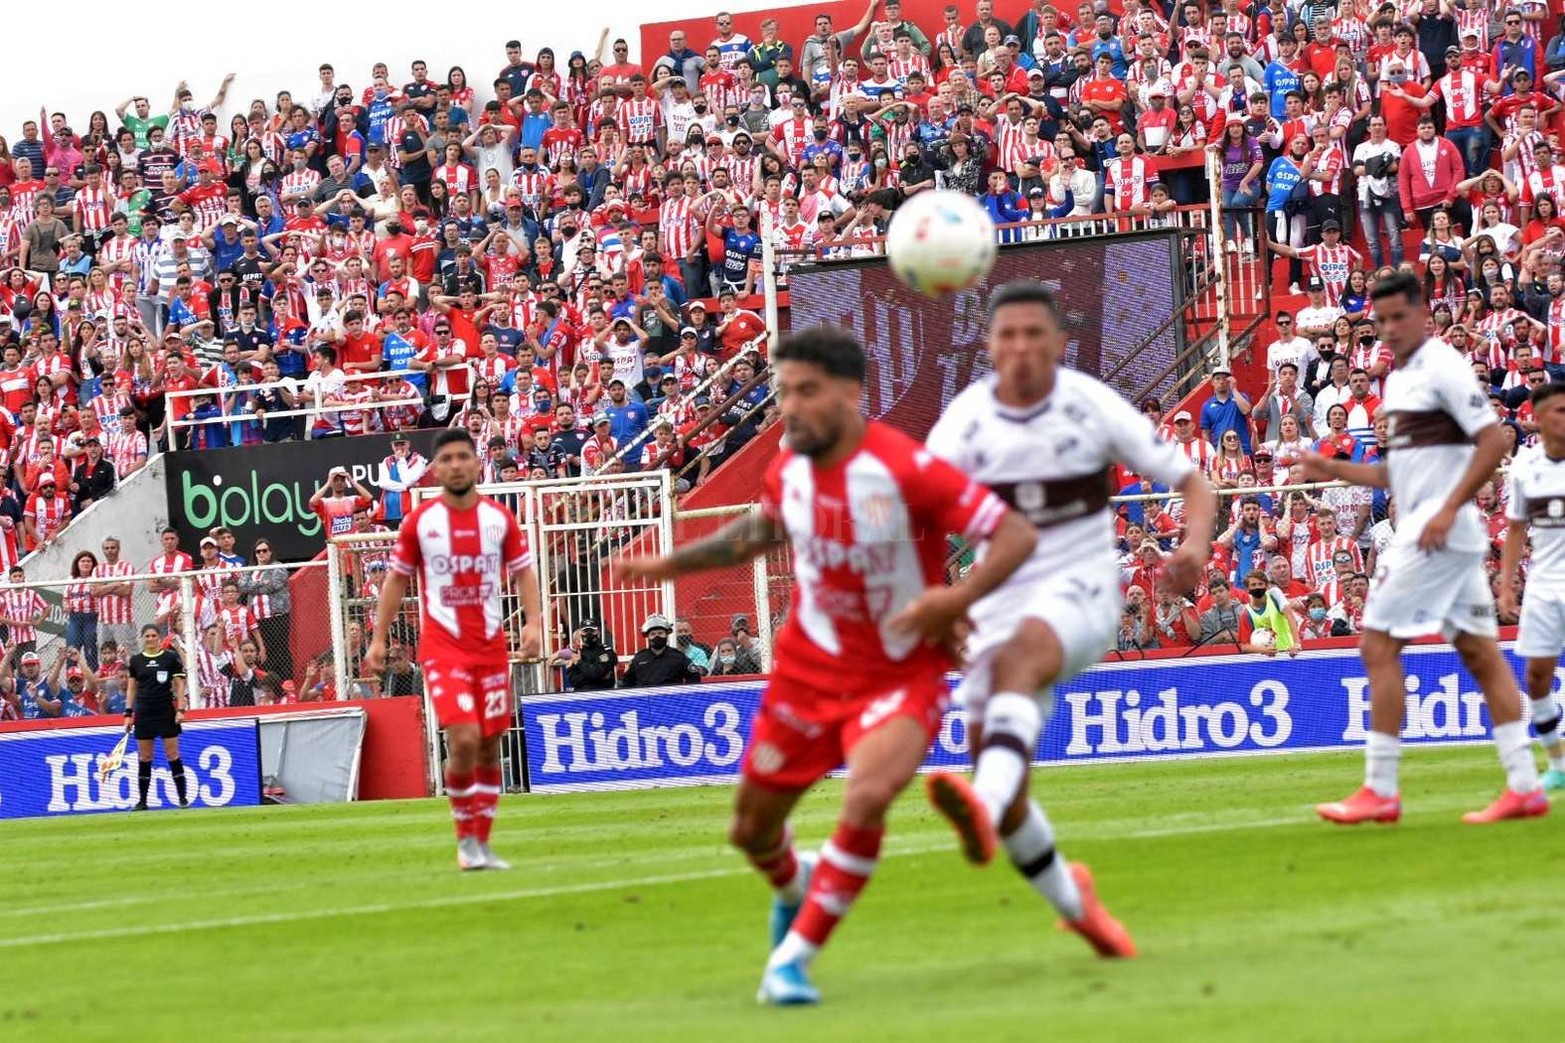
1537 495
1433 411
1052 464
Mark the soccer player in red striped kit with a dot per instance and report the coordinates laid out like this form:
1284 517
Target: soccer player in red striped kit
463 547
854 678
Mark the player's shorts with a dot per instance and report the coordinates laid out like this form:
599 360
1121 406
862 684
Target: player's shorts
470 693
1415 592
1081 606
156 721
801 733
1542 631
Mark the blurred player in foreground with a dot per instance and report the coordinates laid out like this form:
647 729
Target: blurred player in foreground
1445 443
463 546
1537 498
867 511
1045 438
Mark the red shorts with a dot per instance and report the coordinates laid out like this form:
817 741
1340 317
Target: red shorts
801 733
470 692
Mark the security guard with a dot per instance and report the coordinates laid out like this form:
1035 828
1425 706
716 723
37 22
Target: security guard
595 662
659 663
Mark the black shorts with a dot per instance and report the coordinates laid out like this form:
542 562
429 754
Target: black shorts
156 722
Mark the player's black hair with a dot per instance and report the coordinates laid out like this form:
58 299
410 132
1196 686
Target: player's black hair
450 436
1543 392
1023 291
1398 284
833 350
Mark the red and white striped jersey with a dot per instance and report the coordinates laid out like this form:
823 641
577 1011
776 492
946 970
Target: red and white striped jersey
868 536
48 514
113 608
124 449
300 182
209 581
679 227
536 186
1545 182
79 599
94 207
461 557
210 676
1317 561
1474 19
168 565
459 178
22 604
639 119
1129 180
1332 264
237 622
1556 342
1350 29
1524 164
1199 452
595 452
1464 96
1333 162
902 68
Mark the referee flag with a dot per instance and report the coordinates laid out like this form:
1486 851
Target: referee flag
111 764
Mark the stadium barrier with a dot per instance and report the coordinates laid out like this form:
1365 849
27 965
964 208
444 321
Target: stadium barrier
51 767
1145 710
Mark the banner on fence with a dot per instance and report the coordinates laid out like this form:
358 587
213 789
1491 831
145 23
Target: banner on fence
264 490
55 772
1163 708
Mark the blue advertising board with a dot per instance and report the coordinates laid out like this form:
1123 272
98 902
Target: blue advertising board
55 772
1252 704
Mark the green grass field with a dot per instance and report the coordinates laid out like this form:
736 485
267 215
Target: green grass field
627 919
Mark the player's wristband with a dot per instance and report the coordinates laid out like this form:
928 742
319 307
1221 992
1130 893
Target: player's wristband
129 712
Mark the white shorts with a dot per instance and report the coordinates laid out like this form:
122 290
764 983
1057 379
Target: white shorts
1542 631
1415 592
1082 608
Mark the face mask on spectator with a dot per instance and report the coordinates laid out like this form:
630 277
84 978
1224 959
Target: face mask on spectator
657 642
1317 614
726 658
820 135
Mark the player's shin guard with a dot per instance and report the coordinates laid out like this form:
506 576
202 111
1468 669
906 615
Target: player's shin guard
1012 723
847 861
176 768
460 790
487 785
781 869
143 778
1032 851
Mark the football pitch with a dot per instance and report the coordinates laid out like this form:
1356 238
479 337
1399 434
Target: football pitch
626 918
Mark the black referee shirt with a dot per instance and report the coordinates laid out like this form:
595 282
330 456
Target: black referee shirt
154 676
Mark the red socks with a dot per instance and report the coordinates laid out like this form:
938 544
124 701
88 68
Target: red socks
462 794
847 861
781 867
486 798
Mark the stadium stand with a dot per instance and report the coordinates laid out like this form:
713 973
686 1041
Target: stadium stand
571 263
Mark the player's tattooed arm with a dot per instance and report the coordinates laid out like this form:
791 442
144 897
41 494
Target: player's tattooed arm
739 541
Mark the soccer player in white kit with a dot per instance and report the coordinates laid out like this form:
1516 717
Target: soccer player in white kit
1444 444
1536 497
1044 438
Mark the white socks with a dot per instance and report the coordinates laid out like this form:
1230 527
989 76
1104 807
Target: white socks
1033 853
1551 730
1012 723
1382 753
1514 746
793 947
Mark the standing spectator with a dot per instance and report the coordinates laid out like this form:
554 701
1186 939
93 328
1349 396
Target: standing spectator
115 622
1430 170
397 476
21 610
269 599
93 478
81 608
1227 410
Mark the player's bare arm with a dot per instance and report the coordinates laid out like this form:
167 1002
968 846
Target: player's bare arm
1510 559
1318 468
935 614
391 595
1182 568
741 540
1491 447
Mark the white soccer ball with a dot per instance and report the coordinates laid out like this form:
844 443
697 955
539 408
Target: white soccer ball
940 242
1263 637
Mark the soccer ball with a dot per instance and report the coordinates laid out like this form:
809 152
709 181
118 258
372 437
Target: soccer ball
940 242
1263 637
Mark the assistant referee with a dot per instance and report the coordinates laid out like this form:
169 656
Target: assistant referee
155 706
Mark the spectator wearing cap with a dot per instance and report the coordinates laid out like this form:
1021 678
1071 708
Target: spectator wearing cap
600 446
26 692
1227 410
659 662
48 511
748 648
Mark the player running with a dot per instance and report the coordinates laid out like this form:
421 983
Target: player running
463 546
867 511
1044 438
1537 495
1444 443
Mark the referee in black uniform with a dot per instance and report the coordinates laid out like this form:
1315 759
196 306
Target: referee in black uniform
155 707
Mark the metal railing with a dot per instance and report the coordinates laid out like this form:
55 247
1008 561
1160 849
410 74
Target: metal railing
235 393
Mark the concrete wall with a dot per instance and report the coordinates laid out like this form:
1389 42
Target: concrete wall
135 513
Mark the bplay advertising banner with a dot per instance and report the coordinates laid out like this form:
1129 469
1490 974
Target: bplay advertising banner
265 490
55 772
1117 711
